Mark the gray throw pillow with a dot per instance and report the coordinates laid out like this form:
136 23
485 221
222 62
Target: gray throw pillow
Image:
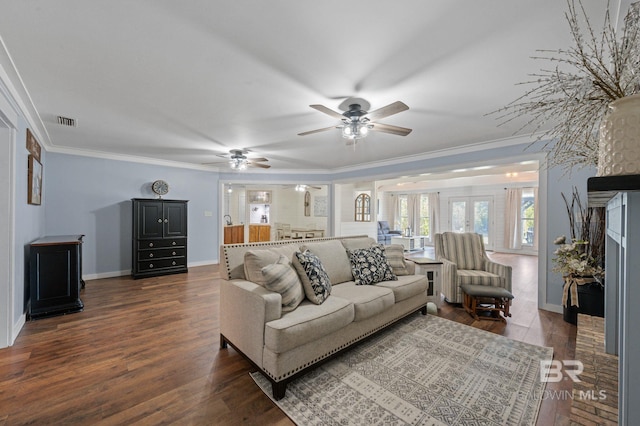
315 281
282 278
370 266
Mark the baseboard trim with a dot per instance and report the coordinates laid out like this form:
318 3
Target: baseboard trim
552 308
17 327
122 273
101 275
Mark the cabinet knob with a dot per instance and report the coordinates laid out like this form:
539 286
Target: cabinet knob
150 244
173 243
160 220
173 263
166 221
150 265
173 253
150 254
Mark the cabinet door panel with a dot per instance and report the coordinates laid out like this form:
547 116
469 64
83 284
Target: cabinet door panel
150 220
175 219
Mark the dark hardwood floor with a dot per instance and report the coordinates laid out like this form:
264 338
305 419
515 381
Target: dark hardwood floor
146 352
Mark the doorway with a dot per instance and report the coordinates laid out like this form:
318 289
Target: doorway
6 233
473 214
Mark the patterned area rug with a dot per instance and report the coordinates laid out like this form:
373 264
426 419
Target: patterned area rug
424 370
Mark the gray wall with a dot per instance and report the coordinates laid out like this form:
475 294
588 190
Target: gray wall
92 196
559 182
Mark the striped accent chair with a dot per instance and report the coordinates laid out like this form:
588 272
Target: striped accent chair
464 261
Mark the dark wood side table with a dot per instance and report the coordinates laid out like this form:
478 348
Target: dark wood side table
55 276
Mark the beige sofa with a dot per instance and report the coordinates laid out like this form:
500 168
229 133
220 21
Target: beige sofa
284 345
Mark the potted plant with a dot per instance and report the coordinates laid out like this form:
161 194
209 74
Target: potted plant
580 260
566 101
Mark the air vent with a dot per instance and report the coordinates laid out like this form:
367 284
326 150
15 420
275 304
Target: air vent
66 121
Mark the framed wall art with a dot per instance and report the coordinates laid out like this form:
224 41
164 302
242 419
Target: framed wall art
34 181
320 206
33 146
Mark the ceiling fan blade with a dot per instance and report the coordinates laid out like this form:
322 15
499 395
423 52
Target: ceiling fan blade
394 130
257 159
264 166
386 111
310 132
328 111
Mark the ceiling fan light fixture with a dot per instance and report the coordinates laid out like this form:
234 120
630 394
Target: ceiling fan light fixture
238 163
355 130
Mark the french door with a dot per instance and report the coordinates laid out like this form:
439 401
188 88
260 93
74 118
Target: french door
472 214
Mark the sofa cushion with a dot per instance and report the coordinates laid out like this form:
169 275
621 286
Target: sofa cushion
370 266
316 282
282 278
464 249
367 300
334 258
406 286
358 243
307 323
256 259
395 257
466 276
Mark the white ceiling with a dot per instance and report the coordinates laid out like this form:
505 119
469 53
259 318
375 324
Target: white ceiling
186 80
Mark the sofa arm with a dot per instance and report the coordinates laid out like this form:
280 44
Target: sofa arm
411 266
502 270
245 308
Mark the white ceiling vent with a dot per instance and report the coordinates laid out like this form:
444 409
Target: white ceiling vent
66 121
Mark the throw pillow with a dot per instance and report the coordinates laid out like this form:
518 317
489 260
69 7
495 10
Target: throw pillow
258 258
370 266
282 278
395 257
315 280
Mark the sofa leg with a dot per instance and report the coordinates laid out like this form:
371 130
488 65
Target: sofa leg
423 310
223 342
278 389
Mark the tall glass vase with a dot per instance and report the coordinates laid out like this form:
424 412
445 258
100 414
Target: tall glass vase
619 145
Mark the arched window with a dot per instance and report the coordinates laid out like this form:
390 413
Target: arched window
363 208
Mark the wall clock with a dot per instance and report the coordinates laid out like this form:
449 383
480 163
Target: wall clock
160 187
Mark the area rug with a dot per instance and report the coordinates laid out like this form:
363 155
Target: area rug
424 370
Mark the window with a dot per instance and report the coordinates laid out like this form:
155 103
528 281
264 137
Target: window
527 212
424 215
363 208
404 213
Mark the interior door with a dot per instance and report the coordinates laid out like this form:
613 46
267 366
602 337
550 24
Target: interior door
472 214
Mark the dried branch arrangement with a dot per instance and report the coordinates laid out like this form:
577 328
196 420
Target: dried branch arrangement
573 97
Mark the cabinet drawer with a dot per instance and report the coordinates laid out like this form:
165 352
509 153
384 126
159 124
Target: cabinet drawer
160 243
150 265
161 253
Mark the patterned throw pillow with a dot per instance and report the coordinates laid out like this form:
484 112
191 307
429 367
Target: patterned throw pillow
315 280
370 266
395 257
282 278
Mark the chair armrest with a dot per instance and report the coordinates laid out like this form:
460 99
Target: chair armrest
449 280
245 308
502 270
395 232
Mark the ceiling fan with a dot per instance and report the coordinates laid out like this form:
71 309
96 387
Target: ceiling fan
301 187
238 160
357 123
